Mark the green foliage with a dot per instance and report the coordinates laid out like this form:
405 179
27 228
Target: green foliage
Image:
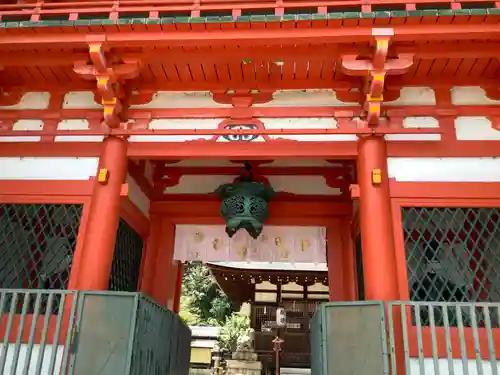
202 301
185 311
236 326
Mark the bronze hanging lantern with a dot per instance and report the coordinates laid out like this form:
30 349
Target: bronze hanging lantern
245 204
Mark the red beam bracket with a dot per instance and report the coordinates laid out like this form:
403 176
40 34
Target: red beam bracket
375 71
110 77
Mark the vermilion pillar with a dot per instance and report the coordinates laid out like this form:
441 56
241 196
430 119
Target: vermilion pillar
334 262
150 257
178 287
163 284
379 262
100 236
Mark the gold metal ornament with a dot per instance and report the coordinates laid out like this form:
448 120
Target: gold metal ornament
242 252
305 244
217 243
198 237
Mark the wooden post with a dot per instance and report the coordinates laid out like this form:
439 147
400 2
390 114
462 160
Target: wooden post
100 236
178 287
149 267
379 262
164 281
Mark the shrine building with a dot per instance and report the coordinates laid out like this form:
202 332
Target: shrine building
339 152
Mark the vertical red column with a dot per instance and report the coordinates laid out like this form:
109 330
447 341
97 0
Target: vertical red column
164 280
150 257
348 262
334 257
379 261
100 236
178 287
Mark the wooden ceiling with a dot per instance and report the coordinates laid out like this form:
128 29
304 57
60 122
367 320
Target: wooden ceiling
240 45
207 70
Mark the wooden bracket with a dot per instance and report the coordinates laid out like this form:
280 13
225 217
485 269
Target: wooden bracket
354 188
375 71
110 75
242 100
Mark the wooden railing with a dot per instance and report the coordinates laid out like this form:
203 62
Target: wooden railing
106 9
434 338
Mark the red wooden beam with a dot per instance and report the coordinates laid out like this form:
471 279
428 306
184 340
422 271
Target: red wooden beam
242 151
393 83
314 53
218 132
264 171
251 37
115 9
136 171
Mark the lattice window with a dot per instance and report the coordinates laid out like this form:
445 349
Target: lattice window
127 259
452 254
37 243
359 268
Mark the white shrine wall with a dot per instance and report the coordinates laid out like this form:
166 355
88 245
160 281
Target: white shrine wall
48 168
466 128
64 169
419 169
137 196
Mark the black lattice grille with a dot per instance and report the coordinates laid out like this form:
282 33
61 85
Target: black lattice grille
452 254
359 268
127 259
37 242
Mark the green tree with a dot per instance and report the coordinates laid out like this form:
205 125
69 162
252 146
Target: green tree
236 325
185 312
202 300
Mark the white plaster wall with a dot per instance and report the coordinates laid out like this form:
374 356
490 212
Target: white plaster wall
414 96
283 123
31 100
35 353
445 169
313 185
471 95
444 368
304 98
269 123
475 128
211 123
306 123
76 124
30 125
80 100
149 171
137 196
47 168
417 123
187 99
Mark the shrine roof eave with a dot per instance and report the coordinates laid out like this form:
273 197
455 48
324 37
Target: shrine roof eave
15 33
267 18
220 269
272 266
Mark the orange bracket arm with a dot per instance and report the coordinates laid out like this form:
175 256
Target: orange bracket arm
110 78
375 72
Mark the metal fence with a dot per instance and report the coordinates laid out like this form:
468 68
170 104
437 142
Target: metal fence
433 338
106 333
